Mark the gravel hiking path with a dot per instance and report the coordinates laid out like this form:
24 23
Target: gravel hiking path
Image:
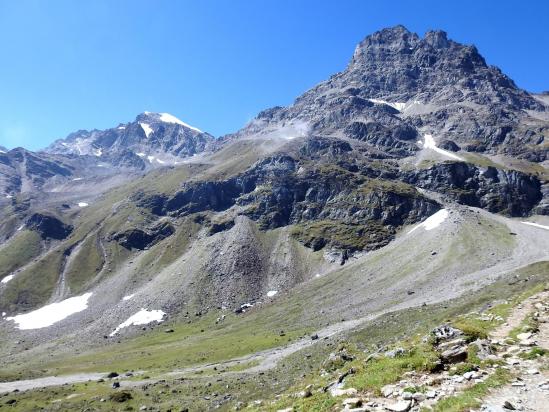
530 389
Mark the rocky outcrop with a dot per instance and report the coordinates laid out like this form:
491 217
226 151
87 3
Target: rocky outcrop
49 227
326 204
500 191
141 239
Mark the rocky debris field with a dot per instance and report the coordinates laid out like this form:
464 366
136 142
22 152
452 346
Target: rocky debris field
462 370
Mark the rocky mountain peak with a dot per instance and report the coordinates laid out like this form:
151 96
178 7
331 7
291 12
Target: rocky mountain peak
437 39
390 39
160 136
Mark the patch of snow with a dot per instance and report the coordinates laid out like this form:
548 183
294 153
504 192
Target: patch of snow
433 221
146 128
429 143
21 227
168 118
9 196
397 106
143 317
161 161
140 154
151 158
271 293
128 297
82 204
3 314
98 152
536 225
50 314
76 179
1 151
7 279
121 127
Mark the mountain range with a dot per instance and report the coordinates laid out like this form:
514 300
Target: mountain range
416 176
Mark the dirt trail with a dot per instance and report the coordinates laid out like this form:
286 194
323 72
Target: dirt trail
530 389
25 385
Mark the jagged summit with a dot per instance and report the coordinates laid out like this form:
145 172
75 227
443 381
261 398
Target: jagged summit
397 80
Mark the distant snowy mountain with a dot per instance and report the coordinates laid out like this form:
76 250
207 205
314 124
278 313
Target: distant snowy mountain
158 138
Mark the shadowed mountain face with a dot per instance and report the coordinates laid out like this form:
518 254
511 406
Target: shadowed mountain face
156 214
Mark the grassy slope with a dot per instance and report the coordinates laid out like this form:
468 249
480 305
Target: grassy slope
294 372
18 251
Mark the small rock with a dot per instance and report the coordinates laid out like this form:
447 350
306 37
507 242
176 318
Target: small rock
533 371
524 336
343 392
508 405
471 375
407 396
455 355
430 394
305 394
387 390
353 402
112 375
314 337
169 331
395 352
401 406
115 385
418 397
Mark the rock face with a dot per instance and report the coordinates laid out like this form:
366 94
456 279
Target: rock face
49 226
499 191
21 169
327 205
141 239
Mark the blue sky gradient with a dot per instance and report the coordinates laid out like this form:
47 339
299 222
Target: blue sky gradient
69 65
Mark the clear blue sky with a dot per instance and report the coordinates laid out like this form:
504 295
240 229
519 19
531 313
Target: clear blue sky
69 65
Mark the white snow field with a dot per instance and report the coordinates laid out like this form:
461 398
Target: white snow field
82 204
168 118
7 278
429 143
146 128
142 317
433 221
50 314
397 106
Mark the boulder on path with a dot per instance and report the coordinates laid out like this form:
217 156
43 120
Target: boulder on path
401 406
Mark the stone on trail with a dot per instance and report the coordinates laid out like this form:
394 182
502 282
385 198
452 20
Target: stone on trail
509 406
401 406
343 392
